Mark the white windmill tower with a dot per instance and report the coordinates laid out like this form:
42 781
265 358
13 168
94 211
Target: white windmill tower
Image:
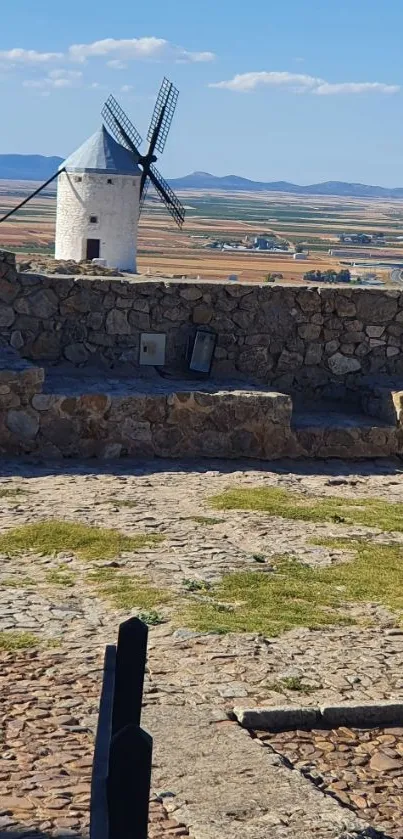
98 198
103 185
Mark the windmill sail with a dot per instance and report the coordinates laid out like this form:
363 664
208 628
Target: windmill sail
162 117
126 134
143 195
171 201
121 126
37 191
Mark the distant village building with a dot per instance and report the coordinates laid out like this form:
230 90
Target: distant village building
262 243
361 238
353 254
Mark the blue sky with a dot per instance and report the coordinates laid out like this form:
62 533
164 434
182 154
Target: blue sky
302 90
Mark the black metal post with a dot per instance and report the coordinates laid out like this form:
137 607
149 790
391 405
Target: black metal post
129 783
129 677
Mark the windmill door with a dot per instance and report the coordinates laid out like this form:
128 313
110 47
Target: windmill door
93 248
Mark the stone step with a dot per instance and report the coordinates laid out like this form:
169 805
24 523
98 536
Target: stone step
344 434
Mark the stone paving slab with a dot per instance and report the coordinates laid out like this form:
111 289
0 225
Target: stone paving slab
226 787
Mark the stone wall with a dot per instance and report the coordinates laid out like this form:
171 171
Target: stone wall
312 340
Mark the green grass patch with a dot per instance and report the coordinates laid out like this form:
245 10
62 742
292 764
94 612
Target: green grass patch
195 585
289 597
372 512
60 577
294 683
12 492
10 641
151 618
19 581
375 574
296 595
127 592
88 543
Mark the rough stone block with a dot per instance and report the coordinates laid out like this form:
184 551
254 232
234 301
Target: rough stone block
314 354
8 290
375 308
340 365
23 424
365 715
202 314
279 718
7 316
309 331
42 304
289 361
76 353
117 323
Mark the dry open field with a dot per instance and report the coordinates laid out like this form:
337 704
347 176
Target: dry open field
163 249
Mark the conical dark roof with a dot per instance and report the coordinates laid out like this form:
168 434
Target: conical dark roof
102 154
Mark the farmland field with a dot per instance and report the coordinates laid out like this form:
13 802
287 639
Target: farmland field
312 221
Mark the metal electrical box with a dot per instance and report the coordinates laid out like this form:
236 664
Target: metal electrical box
152 348
202 353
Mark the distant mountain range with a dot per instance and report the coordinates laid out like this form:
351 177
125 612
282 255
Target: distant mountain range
203 180
28 167
36 167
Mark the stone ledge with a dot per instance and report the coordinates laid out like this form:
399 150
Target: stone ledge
243 792
289 717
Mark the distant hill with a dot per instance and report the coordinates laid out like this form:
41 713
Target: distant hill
28 167
35 167
203 180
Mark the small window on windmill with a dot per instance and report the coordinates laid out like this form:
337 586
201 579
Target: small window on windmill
78 179
202 352
93 219
110 181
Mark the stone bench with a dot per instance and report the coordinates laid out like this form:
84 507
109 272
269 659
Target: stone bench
77 413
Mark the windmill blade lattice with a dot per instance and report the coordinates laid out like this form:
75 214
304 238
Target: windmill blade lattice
171 201
126 134
162 117
144 194
120 125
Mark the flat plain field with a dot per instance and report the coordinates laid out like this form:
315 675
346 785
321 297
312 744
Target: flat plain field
314 221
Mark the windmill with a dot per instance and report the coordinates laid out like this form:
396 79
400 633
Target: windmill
103 185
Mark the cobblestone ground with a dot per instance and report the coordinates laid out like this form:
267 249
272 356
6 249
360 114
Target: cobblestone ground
49 696
362 768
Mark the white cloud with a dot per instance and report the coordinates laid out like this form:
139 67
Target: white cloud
20 56
65 74
126 88
117 64
32 83
244 82
126 49
327 89
301 83
56 79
